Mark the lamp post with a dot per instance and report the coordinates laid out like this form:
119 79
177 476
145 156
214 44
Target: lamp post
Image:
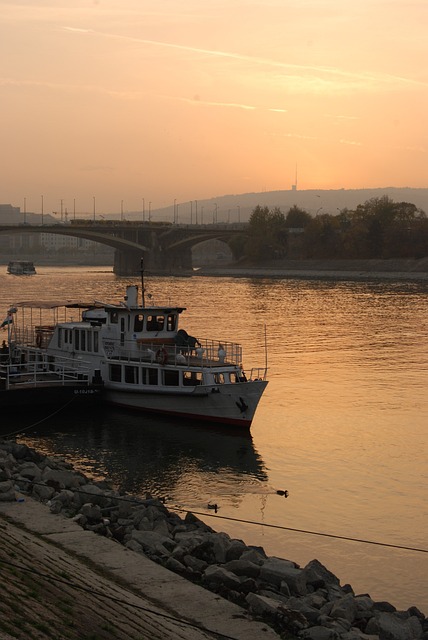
150 211
74 208
42 208
121 210
144 211
173 219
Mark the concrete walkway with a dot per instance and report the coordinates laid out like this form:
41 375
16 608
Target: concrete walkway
121 594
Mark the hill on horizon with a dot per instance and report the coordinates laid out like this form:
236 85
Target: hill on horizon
238 207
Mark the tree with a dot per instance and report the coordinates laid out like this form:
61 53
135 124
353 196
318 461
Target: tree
267 234
297 218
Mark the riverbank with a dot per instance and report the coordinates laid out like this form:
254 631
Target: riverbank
325 269
151 574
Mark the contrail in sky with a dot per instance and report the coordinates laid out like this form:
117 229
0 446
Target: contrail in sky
255 60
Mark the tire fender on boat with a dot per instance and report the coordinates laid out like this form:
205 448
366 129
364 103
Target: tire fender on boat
161 356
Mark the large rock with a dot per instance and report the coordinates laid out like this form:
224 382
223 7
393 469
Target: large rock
7 491
64 479
276 570
389 626
153 543
220 576
262 605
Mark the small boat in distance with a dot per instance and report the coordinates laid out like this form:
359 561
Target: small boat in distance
21 268
141 357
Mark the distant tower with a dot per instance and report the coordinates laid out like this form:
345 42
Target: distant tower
294 186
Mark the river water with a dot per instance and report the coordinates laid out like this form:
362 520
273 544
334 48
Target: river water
342 425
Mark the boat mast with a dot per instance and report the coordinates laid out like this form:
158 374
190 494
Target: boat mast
142 282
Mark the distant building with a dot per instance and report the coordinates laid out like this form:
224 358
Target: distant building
9 214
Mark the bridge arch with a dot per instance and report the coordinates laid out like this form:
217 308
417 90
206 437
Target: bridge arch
165 247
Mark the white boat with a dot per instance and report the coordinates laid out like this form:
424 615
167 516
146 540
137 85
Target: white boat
21 268
142 358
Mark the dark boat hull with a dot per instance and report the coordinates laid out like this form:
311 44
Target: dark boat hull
51 396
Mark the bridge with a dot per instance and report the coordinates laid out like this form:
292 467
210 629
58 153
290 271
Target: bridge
166 248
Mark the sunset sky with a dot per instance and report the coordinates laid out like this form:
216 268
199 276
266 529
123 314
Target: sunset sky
121 100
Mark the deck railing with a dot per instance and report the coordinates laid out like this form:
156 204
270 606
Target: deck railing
205 353
32 368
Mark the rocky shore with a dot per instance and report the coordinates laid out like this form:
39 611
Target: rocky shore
297 602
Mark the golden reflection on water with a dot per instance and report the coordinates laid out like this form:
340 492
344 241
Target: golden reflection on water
342 425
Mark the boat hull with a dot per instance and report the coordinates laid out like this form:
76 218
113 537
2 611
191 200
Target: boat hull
234 405
52 396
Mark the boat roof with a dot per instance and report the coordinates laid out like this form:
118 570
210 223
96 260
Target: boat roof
54 304
93 304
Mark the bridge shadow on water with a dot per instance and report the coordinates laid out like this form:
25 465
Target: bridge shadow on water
141 453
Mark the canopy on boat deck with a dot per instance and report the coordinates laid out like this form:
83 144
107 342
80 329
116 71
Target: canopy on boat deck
55 304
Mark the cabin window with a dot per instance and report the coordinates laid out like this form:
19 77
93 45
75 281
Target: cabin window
138 323
96 341
155 323
149 375
171 322
131 374
115 373
171 378
76 340
114 317
83 340
60 337
219 378
192 378
89 340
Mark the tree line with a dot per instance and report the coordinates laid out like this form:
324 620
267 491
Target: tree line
379 228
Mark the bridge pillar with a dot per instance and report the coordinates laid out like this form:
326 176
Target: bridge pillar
157 260
127 263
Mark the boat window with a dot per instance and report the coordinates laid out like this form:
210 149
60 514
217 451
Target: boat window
138 322
83 340
171 322
192 378
219 378
89 340
131 374
155 323
115 372
60 337
96 341
149 375
114 317
233 378
76 339
171 377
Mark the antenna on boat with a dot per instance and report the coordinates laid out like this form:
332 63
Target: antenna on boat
142 283
266 352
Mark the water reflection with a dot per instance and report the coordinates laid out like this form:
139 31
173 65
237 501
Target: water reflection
144 454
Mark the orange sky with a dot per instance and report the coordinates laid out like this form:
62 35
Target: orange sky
121 100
